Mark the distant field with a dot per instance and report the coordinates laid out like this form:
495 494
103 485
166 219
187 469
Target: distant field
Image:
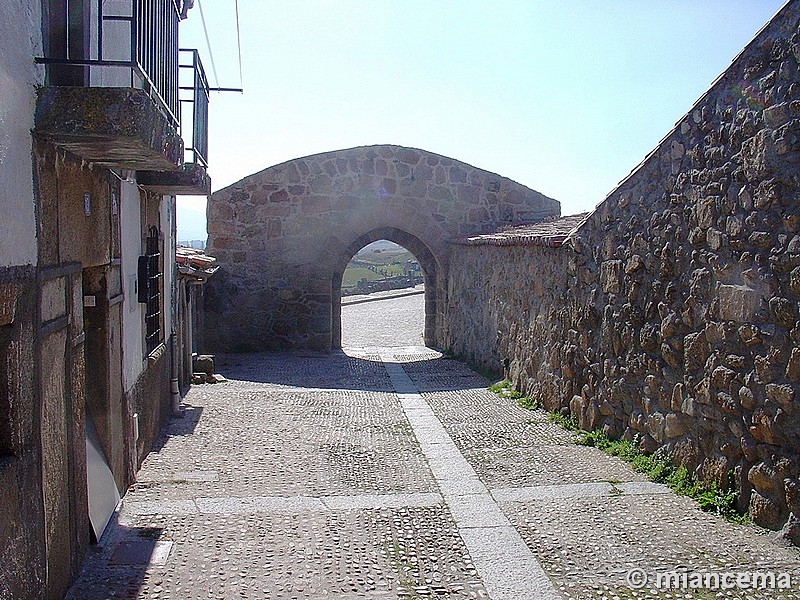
376 265
352 275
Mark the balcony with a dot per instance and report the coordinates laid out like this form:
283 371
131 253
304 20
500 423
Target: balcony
121 94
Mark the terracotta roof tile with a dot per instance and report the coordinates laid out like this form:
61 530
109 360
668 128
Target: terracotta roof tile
550 233
195 263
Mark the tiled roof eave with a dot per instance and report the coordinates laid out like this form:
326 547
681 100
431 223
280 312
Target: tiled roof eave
547 241
547 234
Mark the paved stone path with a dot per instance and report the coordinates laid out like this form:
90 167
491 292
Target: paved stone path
394 473
392 322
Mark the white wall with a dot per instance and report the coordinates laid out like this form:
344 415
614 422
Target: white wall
168 228
132 312
20 42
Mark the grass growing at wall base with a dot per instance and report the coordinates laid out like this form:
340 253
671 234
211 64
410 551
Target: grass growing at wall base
658 467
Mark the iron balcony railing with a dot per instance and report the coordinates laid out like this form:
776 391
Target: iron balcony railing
130 43
194 97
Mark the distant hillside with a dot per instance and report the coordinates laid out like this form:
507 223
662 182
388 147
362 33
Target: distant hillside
380 245
381 261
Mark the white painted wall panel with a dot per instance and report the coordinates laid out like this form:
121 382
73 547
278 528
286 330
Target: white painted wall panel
132 311
20 41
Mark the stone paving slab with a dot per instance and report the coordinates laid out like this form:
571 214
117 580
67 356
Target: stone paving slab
547 465
329 476
588 517
588 544
347 554
390 322
287 443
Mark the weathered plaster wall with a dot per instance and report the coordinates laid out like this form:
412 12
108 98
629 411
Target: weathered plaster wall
20 41
283 237
168 225
678 321
132 311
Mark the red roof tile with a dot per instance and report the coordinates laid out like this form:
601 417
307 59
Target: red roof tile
550 233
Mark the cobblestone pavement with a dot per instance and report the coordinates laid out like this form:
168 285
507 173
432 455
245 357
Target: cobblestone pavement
394 473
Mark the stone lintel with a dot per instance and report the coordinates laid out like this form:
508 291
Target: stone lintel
190 180
114 127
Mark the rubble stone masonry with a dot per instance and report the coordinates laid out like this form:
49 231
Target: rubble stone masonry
671 314
283 237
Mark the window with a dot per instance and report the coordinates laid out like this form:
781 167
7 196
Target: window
150 286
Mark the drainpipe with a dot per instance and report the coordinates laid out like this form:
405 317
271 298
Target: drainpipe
176 391
174 387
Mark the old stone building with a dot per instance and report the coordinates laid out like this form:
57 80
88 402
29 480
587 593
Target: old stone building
285 235
91 156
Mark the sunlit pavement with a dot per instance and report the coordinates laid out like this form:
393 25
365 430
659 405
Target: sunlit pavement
392 472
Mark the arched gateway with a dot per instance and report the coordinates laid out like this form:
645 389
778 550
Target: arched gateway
283 237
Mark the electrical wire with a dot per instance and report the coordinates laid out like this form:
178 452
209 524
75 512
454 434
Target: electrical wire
239 44
208 43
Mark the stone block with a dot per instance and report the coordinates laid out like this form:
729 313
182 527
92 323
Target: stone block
746 398
791 487
53 303
8 303
782 394
611 276
764 428
791 530
655 426
671 356
674 426
203 363
765 478
634 263
738 303
794 281
793 366
722 377
696 350
765 511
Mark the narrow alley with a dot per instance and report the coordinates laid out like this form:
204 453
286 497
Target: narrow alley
393 472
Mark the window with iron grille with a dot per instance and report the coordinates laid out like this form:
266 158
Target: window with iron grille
150 287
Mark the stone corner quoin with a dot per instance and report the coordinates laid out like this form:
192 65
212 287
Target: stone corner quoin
671 314
283 237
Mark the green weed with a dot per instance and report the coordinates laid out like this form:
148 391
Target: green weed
504 389
570 422
660 469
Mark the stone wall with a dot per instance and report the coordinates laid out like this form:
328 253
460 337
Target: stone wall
22 557
672 313
283 237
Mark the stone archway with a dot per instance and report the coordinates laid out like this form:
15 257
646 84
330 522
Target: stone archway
427 262
283 236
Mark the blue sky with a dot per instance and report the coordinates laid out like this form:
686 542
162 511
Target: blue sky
564 96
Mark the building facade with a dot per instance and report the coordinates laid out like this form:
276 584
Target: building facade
93 150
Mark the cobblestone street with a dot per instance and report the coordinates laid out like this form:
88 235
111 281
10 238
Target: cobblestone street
392 472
